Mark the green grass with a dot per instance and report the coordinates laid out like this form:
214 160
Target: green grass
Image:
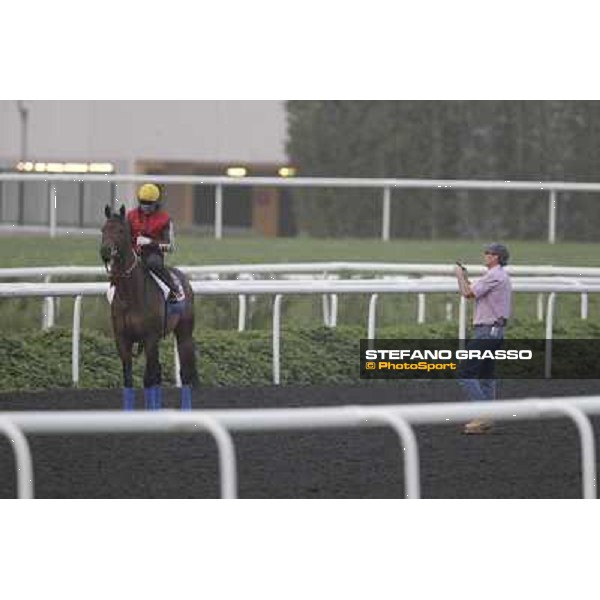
34 251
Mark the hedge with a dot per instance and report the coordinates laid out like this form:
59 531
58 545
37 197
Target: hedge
42 360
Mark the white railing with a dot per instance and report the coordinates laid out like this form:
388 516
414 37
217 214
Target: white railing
221 423
318 270
278 289
552 188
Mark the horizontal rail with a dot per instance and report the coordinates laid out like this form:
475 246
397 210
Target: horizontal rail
339 286
274 419
356 182
317 268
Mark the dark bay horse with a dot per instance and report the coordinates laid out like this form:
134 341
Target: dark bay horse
141 315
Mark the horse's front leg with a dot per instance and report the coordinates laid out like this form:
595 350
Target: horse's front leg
152 375
125 348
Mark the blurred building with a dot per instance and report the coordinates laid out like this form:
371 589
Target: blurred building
160 137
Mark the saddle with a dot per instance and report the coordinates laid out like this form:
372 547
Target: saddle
165 290
110 294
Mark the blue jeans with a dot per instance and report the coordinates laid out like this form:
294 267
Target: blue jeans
476 376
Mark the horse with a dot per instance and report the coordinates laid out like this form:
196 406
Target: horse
140 314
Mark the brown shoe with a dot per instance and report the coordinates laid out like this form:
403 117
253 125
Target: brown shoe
477 426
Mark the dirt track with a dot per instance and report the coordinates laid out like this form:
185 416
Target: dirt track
518 460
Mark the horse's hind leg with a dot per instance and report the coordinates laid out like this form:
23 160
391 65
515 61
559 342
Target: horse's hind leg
152 375
187 360
124 347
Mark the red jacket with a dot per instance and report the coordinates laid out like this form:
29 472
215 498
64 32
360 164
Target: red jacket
156 226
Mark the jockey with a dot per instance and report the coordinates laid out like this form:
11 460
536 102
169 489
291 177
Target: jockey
152 234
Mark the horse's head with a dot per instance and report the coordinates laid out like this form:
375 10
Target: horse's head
116 239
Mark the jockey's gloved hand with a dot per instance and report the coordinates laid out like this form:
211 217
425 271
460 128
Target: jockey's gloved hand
142 240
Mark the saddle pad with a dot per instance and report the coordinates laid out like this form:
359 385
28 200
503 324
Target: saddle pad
165 289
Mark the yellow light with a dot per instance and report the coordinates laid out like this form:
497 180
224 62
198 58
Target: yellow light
76 167
24 166
101 168
236 171
69 167
287 171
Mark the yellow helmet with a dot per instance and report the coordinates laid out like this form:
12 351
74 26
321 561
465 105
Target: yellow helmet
149 192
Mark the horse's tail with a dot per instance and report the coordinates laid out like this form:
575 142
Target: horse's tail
140 349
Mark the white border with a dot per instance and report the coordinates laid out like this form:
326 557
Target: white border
259 50
298 549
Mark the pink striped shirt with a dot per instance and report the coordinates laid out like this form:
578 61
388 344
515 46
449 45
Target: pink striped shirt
492 296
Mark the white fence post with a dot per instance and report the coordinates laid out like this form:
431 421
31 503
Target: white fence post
75 340
53 208
406 434
23 463
386 214
549 328
325 309
226 450
276 339
242 302
421 307
552 217
372 317
334 311
584 305
325 305
48 308
588 448
219 212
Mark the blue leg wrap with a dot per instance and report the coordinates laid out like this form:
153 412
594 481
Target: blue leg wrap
149 398
128 398
157 397
186 397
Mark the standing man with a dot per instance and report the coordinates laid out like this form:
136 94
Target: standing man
492 295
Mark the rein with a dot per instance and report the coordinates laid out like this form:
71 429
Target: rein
127 272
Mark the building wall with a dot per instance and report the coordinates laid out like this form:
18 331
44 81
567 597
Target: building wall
170 130
176 136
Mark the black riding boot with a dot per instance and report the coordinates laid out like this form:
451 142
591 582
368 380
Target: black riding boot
154 262
164 275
